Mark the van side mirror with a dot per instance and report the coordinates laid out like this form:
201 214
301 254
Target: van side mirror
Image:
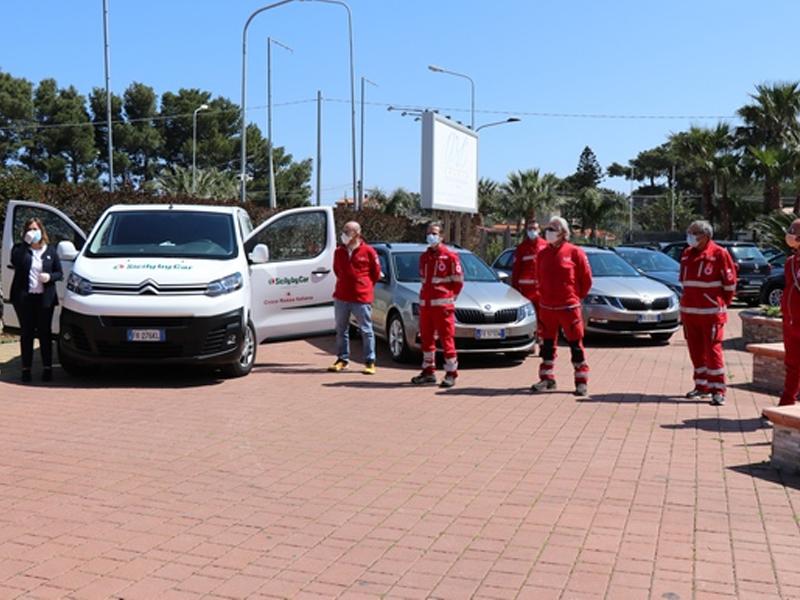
260 254
66 250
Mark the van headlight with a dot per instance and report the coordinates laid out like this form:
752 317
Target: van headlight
226 285
78 284
525 311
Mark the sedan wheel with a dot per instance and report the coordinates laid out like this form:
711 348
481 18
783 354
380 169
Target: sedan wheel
774 296
398 347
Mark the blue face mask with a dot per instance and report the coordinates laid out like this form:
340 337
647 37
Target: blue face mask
532 234
432 239
33 236
692 240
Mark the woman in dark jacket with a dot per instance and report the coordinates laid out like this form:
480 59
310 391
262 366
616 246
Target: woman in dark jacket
33 294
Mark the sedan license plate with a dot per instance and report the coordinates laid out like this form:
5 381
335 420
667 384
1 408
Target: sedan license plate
490 334
146 335
655 318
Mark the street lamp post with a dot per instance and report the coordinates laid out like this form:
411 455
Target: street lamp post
360 200
508 120
108 98
194 143
243 153
352 86
436 69
273 203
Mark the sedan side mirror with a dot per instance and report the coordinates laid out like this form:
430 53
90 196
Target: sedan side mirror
66 250
503 276
260 254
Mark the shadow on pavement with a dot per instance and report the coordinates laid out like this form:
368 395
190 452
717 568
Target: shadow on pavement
490 392
722 425
751 387
765 471
639 398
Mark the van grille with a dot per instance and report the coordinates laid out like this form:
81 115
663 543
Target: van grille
142 350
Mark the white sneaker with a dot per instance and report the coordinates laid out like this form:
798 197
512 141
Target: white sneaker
581 390
717 399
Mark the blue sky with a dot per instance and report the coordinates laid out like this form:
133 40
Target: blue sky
617 57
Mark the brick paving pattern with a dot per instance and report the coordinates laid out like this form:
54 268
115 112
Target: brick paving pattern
297 483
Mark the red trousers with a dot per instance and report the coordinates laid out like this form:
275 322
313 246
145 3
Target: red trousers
439 320
791 385
704 335
571 322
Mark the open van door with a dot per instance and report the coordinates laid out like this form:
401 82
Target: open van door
292 283
59 228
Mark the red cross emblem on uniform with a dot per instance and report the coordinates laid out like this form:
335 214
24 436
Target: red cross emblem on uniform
442 266
709 269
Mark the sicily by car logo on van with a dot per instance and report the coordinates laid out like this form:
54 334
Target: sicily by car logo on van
131 266
288 280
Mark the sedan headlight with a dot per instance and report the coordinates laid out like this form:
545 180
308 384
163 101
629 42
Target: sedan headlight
78 284
594 299
525 311
226 285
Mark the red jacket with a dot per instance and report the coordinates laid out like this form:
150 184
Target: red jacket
523 274
709 281
442 278
564 276
790 301
356 273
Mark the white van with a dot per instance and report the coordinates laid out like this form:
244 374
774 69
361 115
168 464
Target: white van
182 283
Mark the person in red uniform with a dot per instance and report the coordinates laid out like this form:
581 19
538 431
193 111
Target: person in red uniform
708 275
565 278
790 307
442 280
357 270
523 274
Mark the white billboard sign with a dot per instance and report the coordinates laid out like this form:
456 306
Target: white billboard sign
449 165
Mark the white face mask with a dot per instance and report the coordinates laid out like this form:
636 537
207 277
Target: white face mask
346 239
532 234
551 236
433 239
692 240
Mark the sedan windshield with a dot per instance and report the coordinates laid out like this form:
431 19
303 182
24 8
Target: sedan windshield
610 265
165 234
649 260
406 265
747 253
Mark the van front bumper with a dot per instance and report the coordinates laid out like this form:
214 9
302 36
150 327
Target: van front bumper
104 339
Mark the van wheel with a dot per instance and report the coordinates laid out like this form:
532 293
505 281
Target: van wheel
247 357
398 346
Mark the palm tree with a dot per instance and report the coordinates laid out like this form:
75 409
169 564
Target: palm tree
526 192
771 135
489 200
209 183
697 149
594 208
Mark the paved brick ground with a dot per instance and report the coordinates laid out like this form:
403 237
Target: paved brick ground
297 483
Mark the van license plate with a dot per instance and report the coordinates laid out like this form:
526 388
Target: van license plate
146 335
649 318
490 334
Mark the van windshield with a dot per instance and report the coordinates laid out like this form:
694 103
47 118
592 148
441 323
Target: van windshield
165 234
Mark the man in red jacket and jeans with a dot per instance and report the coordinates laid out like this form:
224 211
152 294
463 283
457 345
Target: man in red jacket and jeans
357 270
708 275
565 278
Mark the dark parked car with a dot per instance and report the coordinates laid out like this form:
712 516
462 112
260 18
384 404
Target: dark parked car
772 288
653 264
752 269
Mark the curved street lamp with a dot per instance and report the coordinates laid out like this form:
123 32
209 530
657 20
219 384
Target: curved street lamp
508 120
437 69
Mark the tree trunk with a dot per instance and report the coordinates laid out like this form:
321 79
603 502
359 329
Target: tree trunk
772 195
707 201
796 207
726 223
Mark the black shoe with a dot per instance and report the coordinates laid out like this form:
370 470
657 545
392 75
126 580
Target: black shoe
424 379
47 374
544 385
26 375
695 393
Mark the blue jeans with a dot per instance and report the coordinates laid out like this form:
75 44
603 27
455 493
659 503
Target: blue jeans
363 315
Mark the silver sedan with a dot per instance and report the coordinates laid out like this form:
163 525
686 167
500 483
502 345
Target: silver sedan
490 316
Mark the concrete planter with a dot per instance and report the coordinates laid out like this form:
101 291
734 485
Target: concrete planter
757 329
